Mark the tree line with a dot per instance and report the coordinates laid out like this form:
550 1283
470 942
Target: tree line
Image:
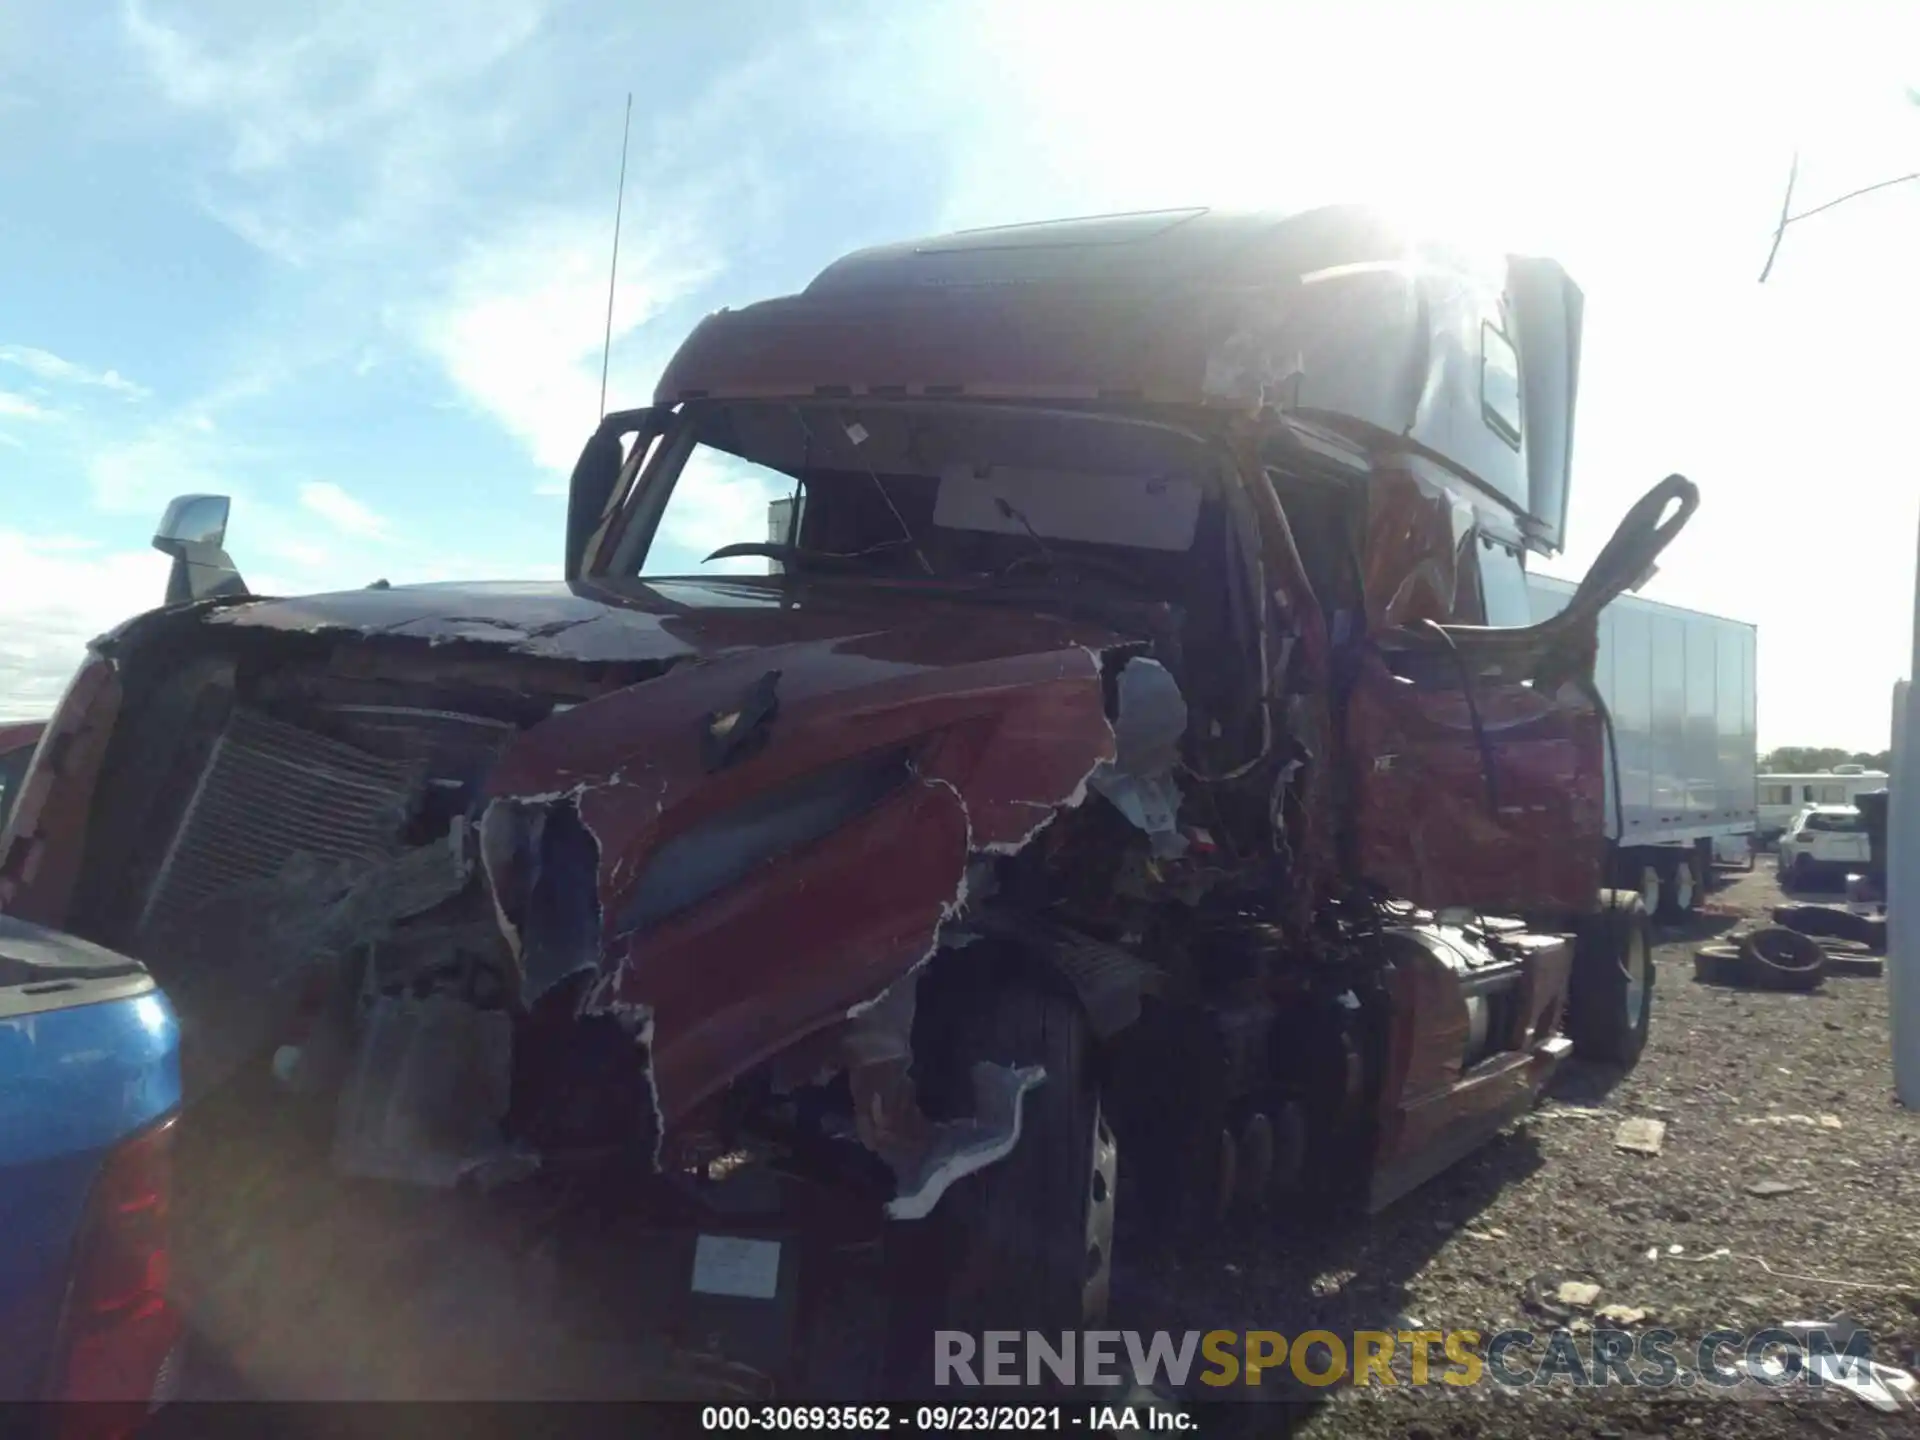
1806 759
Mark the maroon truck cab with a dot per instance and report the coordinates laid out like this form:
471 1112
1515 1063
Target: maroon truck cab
1130 740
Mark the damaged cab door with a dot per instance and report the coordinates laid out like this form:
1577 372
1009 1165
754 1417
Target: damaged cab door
1478 753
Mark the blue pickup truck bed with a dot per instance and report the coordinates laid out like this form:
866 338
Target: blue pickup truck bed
89 1086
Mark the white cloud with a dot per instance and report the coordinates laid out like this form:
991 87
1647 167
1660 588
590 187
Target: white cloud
63 590
47 366
173 457
341 510
718 500
295 556
19 407
186 450
269 521
340 133
521 324
358 146
60 593
355 69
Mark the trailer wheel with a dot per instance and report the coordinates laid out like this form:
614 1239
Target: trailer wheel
1610 993
1651 889
1680 888
1032 1237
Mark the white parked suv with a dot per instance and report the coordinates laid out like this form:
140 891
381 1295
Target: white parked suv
1823 839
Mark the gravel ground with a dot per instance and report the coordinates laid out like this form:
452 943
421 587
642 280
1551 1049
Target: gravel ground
1752 1087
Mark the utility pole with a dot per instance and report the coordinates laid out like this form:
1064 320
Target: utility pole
1903 876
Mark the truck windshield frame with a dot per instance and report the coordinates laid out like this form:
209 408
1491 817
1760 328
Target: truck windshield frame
831 436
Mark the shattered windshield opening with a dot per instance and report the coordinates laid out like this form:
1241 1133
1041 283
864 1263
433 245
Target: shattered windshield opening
978 494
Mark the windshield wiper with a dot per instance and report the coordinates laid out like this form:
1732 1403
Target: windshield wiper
857 434
785 554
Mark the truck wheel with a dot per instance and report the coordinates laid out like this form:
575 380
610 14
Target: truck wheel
1680 888
1652 891
1034 1234
1610 993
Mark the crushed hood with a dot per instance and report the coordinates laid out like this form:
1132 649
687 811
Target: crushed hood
603 818
603 821
667 621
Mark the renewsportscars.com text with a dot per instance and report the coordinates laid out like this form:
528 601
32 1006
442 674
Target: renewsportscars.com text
1720 1360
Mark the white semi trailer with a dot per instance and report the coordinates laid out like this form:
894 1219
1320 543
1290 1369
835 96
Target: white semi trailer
1680 687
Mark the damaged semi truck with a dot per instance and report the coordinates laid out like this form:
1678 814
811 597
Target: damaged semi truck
1130 772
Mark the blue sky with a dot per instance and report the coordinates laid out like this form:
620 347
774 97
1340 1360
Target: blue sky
347 262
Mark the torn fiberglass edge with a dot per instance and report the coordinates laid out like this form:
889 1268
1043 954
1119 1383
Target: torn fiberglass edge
541 861
543 854
958 1148
1139 779
927 1160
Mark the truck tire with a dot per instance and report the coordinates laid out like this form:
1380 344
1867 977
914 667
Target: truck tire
1032 1236
1776 958
1680 885
1649 886
1719 965
1610 993
1830 921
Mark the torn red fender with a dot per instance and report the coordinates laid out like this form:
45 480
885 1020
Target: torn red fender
993 745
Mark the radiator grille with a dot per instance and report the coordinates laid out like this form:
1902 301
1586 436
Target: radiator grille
270 791
446 741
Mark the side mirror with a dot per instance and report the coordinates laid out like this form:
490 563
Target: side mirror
193 520
192 531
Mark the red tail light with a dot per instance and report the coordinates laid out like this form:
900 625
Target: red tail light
119 1331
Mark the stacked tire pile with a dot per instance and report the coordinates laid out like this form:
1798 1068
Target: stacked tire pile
1769 958
1804 945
